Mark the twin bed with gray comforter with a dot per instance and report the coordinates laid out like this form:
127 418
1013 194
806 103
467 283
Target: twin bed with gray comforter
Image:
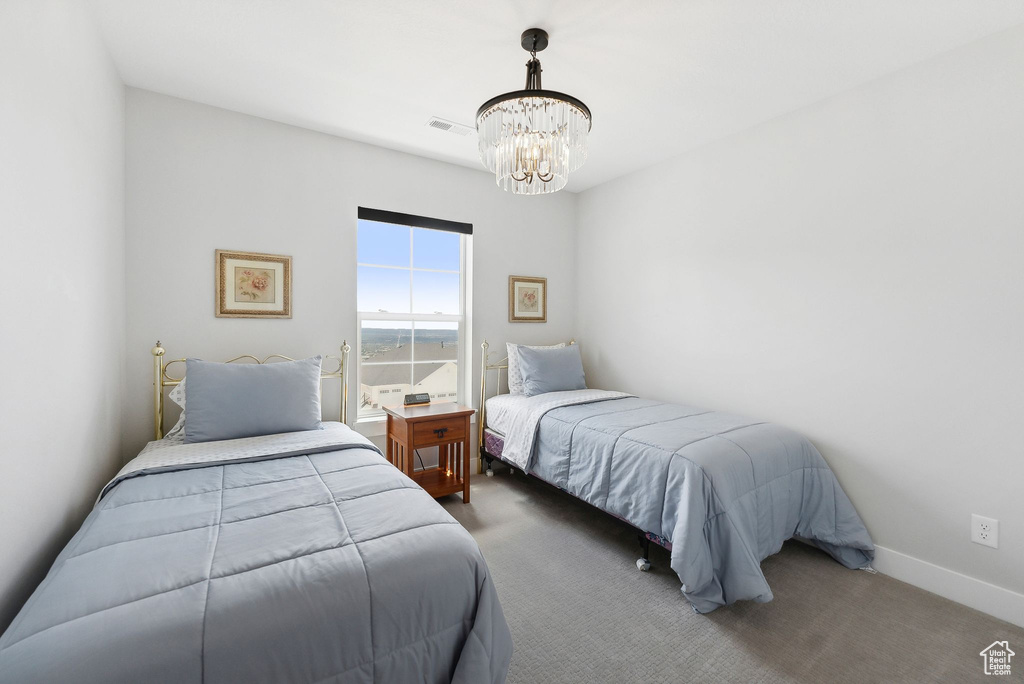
722 492
302 557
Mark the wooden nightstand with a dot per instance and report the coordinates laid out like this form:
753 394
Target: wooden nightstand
445 426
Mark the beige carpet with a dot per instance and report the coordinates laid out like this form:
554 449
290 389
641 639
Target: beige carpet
579 610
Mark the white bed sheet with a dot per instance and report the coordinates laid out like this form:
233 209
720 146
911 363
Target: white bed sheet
501 408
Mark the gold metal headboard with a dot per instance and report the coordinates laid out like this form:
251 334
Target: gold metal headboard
482 414
162 379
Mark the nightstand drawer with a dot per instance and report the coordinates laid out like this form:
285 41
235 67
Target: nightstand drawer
438 431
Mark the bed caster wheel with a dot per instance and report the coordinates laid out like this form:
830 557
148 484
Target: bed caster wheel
643 565
511 471
489 473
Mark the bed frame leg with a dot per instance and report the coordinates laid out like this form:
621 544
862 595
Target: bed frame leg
643 564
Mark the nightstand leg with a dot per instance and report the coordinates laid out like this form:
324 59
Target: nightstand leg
465 466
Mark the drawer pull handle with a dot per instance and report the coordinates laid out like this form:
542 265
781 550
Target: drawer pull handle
440 432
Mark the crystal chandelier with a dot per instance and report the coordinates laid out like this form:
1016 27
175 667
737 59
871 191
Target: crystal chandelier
533 138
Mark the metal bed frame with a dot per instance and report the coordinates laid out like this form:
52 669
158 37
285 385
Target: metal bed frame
644 538
162 379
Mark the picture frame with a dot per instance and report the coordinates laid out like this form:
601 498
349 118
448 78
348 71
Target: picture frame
527 299
253 285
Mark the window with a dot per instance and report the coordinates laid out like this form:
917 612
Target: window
411 302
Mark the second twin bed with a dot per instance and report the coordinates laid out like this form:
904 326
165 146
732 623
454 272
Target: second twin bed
720 491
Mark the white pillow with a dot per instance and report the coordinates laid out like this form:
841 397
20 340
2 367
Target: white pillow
177 395
515 375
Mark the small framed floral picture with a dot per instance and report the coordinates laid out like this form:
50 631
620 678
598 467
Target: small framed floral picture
527 299
253 285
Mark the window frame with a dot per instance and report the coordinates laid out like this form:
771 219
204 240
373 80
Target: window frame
463 358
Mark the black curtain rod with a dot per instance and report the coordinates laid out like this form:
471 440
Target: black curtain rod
413 220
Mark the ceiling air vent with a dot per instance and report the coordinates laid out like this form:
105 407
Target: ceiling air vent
449 126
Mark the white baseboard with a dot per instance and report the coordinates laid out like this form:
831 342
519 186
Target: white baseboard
974 593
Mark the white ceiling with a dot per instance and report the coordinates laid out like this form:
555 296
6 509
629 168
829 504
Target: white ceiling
660 76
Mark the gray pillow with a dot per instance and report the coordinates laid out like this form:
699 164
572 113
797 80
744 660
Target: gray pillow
551 370
515 377
232 400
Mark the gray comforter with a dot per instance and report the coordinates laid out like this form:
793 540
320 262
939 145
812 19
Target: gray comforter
726 491
320 567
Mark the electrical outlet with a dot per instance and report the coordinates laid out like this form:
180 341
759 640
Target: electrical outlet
985 531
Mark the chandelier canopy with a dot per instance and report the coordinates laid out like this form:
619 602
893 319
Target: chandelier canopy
531 139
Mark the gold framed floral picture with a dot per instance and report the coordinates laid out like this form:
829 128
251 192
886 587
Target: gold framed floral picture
253 285
527 299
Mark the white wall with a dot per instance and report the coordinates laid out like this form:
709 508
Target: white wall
62 329
201 178
853 270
